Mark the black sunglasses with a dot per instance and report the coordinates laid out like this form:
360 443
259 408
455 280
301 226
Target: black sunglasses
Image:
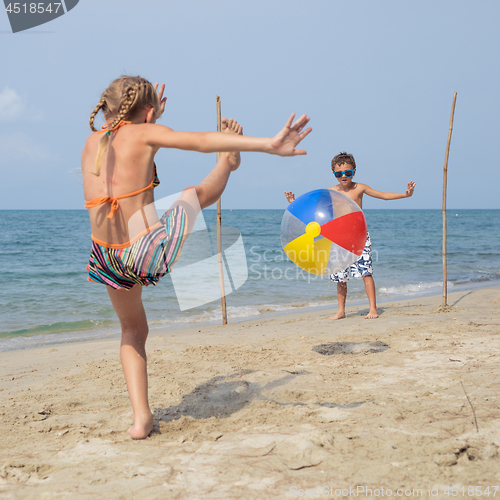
340 173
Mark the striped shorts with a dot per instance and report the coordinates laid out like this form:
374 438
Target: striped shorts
144 261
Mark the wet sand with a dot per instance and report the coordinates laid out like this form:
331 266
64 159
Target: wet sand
266 409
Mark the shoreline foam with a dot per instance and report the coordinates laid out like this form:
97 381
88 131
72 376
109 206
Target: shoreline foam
264 311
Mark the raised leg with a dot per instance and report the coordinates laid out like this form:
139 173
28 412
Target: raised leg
342 296
370 292
130 310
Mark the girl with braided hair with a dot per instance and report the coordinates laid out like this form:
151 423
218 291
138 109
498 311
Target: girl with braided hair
119 175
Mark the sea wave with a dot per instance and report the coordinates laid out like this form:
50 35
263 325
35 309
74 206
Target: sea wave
47 339
412 288
57 328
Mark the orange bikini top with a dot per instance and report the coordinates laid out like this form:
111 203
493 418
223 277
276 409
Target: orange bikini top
113 200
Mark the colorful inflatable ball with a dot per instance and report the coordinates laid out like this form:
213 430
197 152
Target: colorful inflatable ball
323 231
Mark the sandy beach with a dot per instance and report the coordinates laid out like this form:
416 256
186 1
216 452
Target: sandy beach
285 407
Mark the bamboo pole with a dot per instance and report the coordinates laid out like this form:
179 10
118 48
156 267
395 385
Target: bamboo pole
219 236
445 179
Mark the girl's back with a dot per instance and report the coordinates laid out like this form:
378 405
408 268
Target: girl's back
119 163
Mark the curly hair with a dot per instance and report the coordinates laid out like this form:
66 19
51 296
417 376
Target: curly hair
342 158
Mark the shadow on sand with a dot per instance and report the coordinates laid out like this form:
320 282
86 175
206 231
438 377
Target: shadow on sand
223 396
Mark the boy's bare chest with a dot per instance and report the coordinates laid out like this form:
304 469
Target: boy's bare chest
356 194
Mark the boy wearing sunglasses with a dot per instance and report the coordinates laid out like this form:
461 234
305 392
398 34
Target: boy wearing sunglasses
344 169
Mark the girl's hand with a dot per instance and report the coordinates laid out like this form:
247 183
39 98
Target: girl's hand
289 196
284 142
410 189
162 99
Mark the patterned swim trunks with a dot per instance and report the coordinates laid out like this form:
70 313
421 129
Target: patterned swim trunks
362 267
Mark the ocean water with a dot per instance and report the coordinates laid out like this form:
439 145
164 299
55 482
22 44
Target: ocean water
45 297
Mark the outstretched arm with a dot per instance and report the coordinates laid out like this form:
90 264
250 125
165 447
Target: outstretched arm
282 144
390 196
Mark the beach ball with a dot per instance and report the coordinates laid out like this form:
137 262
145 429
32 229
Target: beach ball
323 231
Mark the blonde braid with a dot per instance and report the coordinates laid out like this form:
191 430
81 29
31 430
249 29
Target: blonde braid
127 104
104 140
101 105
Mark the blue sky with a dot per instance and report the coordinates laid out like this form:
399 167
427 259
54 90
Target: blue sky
376 78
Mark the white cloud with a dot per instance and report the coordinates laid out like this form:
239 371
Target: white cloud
20 146
13 107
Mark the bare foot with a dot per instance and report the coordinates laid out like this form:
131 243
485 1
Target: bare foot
142 427
372 314
339 315
232 127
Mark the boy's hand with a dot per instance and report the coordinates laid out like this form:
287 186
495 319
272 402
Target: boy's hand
410 189
162 99
286 140
289 196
